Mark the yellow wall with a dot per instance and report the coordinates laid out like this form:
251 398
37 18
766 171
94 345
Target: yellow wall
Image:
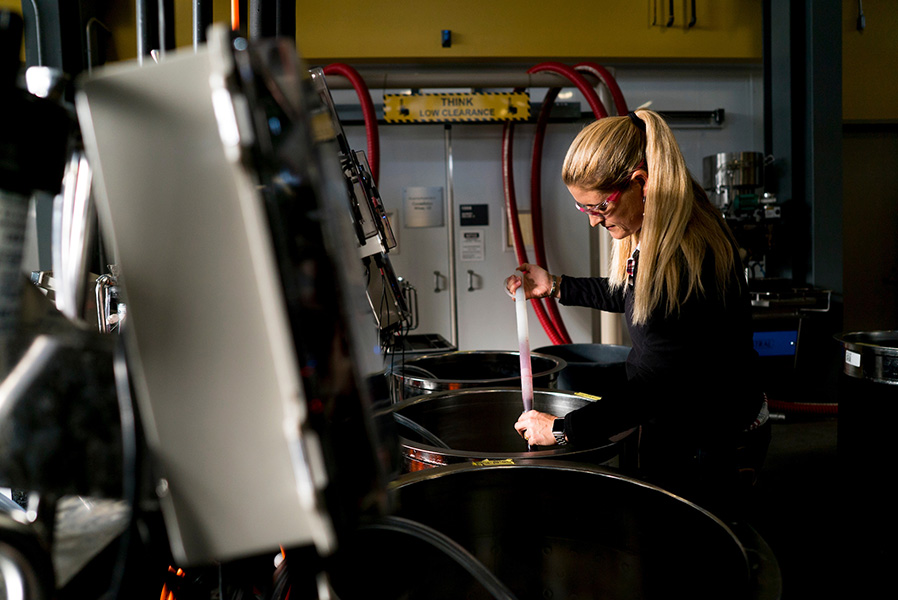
362 30
606 30
870 62
16 7
122 19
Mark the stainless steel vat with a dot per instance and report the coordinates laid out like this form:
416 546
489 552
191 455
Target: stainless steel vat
478 424
558 530
472 369
728 174
738 170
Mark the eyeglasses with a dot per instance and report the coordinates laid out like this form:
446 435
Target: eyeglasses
599 209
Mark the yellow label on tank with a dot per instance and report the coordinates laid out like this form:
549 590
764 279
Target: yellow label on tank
489 463
587 396
456 108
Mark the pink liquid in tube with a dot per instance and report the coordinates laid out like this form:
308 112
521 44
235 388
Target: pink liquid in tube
520 304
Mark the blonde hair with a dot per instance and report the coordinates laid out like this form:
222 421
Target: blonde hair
680 225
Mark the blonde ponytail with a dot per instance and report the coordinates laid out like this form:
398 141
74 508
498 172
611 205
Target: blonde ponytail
680 225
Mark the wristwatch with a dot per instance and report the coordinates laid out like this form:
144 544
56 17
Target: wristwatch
558 432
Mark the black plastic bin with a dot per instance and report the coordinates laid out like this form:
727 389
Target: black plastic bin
594 369
868 411
868 399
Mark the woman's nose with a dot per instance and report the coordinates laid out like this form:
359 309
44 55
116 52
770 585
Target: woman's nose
595 220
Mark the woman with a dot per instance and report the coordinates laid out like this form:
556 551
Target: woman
677 276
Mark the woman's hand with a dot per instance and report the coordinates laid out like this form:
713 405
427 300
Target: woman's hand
537 281
536 428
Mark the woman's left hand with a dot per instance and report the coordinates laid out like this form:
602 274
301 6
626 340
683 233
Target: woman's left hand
536 428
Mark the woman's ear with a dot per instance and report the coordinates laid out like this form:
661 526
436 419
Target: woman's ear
641 176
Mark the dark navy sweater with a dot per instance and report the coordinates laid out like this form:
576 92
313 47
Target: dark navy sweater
690 373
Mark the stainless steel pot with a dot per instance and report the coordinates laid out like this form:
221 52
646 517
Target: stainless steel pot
728 174
474 369
558 530
738 170
478 424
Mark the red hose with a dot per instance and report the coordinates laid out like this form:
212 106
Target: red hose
536 175
578 80
368 112
620 105
553 326
511 208
599 112
831 409
536 204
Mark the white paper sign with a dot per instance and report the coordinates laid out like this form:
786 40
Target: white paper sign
423 206
472 245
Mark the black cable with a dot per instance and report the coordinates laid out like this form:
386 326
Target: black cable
448 546
424 433
129 466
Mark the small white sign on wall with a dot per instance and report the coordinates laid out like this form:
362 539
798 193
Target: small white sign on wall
472 245
423 206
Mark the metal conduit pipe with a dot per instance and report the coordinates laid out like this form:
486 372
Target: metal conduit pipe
165 15
262 19
450 224
202 18
378 79
144 25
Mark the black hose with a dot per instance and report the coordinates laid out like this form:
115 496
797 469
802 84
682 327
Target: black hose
424 433
448 546
130 462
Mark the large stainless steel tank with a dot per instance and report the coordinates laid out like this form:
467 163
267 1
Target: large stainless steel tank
554 530
478 424
481 368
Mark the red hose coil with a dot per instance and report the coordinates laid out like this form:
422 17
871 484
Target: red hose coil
578 80
555 329
511 208
620 105
368 113
536 207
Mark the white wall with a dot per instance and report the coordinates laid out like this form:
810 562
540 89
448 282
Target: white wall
415 155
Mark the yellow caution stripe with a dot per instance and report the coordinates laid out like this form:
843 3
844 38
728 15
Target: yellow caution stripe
456 107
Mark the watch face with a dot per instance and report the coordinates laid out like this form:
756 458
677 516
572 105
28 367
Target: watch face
558 426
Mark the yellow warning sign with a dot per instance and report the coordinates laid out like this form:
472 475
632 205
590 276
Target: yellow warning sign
456 108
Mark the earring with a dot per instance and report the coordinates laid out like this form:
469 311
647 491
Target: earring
643 199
